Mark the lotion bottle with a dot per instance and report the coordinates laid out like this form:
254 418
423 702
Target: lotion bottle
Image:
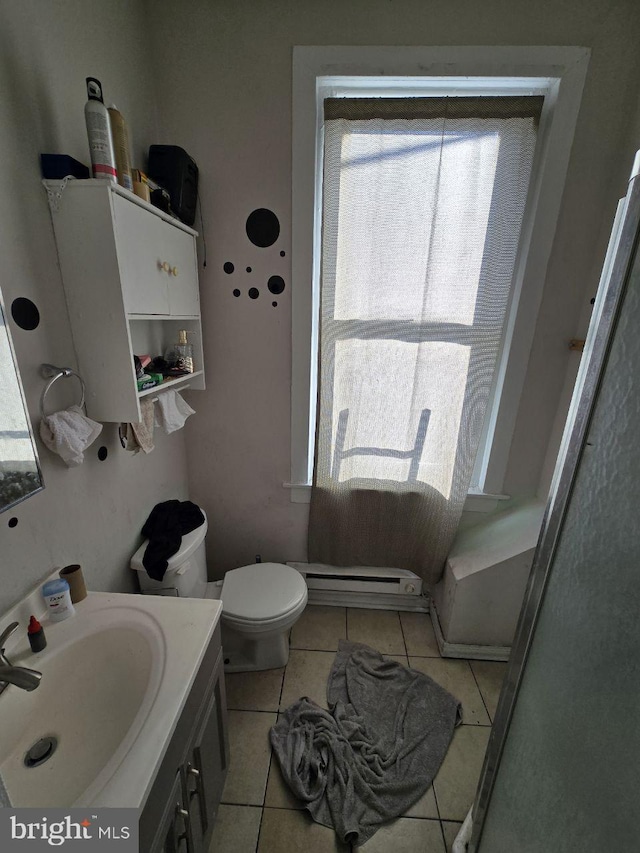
103 159
120 136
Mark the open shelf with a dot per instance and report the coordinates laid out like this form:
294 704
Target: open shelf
178 382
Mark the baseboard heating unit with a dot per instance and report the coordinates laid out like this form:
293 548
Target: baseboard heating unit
363 586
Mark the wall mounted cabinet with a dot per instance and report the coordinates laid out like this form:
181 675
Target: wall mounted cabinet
130 277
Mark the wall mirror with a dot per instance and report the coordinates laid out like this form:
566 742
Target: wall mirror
20 475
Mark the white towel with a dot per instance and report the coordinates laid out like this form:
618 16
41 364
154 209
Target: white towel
68 433
172 411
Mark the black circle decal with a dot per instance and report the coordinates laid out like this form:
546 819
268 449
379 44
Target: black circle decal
276 284
228 267
248 269
236 292
13 522
103 453
275 304
254 293
25 313
263 227
282 254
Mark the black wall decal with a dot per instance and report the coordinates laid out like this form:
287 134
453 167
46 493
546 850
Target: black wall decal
25 313
263 227
282 254
102 453
13 522
228 267
275 304
254 293
276 284
248 269
236 292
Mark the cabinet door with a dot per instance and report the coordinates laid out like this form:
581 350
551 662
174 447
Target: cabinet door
174 834
180 251
207 766
140 239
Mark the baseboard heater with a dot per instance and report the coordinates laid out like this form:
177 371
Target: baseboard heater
363 586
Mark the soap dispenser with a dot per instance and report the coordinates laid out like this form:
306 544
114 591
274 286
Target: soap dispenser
179 357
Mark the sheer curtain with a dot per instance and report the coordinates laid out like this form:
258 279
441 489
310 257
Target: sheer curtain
423 201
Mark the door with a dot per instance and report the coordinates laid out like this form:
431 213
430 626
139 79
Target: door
180 250
144 268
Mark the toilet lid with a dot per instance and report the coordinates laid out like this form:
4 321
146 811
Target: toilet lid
262 591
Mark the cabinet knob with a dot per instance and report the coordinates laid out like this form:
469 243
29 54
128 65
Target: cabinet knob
181 812
174 270
165 266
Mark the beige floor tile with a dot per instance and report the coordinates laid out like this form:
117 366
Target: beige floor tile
403 659
285 831
456 677
450 829
320 628
250 753
418 635
457 780
254 691
236 829
406 835
306 675
425 807
279 794
489 675
379 629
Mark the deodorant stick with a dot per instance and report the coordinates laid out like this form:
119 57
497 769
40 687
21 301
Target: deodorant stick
58 598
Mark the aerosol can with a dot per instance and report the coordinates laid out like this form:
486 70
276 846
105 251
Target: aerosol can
103 159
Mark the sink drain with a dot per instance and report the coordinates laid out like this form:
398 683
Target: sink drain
41 751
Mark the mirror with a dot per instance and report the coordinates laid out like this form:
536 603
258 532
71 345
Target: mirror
20 475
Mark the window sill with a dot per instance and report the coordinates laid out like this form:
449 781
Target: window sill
477 501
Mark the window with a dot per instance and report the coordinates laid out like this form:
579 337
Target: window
311 89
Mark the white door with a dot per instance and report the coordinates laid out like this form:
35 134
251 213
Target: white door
180 250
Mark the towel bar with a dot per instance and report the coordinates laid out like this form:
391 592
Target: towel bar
53 373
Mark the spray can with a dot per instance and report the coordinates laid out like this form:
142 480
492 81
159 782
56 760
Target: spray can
103 160
120 136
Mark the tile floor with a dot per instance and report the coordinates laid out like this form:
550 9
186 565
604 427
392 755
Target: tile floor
258 814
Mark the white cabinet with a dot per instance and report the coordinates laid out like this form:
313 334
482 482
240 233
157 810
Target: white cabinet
131 282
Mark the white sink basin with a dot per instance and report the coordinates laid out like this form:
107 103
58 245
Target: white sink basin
114 679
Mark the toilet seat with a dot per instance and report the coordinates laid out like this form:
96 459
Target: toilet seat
262 595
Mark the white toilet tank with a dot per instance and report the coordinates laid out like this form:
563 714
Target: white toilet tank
186 574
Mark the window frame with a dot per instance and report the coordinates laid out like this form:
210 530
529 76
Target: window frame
319 72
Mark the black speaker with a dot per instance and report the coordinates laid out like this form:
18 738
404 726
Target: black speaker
172 168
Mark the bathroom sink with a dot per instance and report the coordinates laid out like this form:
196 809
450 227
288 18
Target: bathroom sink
100 676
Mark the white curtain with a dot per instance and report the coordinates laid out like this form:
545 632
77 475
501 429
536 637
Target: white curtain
422 207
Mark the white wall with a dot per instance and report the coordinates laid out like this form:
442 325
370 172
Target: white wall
224 94
92 514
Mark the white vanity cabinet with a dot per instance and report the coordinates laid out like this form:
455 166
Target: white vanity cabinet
130 277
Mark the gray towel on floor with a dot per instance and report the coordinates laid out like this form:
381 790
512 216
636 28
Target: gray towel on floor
375 753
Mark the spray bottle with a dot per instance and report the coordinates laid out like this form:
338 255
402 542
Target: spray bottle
103 158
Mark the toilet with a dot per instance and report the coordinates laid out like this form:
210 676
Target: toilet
260 602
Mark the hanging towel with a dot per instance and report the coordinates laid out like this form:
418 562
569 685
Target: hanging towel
165 527
68 433
172 411
143 431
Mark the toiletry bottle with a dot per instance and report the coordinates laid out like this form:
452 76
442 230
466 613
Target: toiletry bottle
103 159
120 136
35 632
58 598
180 356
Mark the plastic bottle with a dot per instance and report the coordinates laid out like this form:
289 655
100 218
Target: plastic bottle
103 160
120 136
58 598
35 632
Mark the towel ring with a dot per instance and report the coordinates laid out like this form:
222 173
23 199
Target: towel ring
53 373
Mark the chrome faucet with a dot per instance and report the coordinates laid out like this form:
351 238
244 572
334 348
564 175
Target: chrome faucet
21 676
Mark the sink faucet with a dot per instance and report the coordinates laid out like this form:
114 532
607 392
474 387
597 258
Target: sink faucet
21 676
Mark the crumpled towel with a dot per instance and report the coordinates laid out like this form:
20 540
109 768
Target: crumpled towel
378 749
168 522
139 436
68 433
172 411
